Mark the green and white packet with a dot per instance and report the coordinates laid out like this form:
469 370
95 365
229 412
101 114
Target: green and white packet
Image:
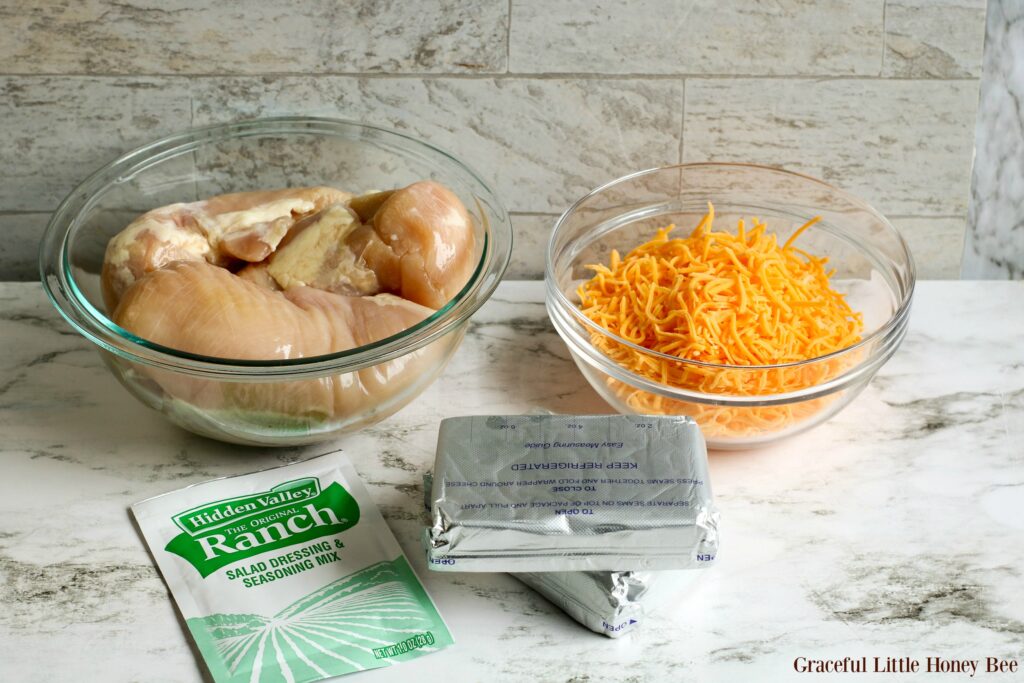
289 574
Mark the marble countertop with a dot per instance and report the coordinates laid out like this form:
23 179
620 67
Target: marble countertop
896 529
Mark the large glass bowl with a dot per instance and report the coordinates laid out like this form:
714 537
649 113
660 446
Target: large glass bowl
873 268
263 154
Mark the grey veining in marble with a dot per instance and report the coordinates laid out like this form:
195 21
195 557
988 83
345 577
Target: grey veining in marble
995 223
894 529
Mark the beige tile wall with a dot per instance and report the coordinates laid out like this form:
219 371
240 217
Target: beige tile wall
546 99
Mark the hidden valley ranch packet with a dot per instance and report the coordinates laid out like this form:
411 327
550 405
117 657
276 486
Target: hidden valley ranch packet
290 574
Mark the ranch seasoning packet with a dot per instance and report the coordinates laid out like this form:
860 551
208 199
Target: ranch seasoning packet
290 574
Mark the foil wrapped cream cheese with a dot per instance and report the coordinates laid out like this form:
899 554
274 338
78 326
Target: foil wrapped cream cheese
555 493
609 603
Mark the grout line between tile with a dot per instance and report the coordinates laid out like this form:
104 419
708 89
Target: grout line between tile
496 76
547 214
897 216
682 120
508 39
195 152
885 37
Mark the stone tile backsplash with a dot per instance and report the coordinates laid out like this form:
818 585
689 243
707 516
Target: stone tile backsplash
891 142
934 38
545 100
261 37
841 37
542 142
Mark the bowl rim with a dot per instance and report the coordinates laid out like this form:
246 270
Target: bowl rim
64 293
563 302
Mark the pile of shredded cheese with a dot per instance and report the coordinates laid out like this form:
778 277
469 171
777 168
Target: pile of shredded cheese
738 300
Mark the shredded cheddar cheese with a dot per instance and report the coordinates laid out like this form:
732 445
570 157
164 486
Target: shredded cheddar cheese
737 300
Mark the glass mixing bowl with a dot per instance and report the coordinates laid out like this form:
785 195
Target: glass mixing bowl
873 265
263 154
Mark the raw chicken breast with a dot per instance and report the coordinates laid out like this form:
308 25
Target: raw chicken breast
317 254
315 274
244 226
416 242
421 244
199 308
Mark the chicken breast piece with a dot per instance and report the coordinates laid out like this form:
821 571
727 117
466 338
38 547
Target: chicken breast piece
243 226
317 254
417 242
420 244
198 308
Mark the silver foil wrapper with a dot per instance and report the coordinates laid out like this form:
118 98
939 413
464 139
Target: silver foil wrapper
555 493
609 603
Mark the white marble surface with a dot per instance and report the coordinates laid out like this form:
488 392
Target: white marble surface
893 530
995 219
